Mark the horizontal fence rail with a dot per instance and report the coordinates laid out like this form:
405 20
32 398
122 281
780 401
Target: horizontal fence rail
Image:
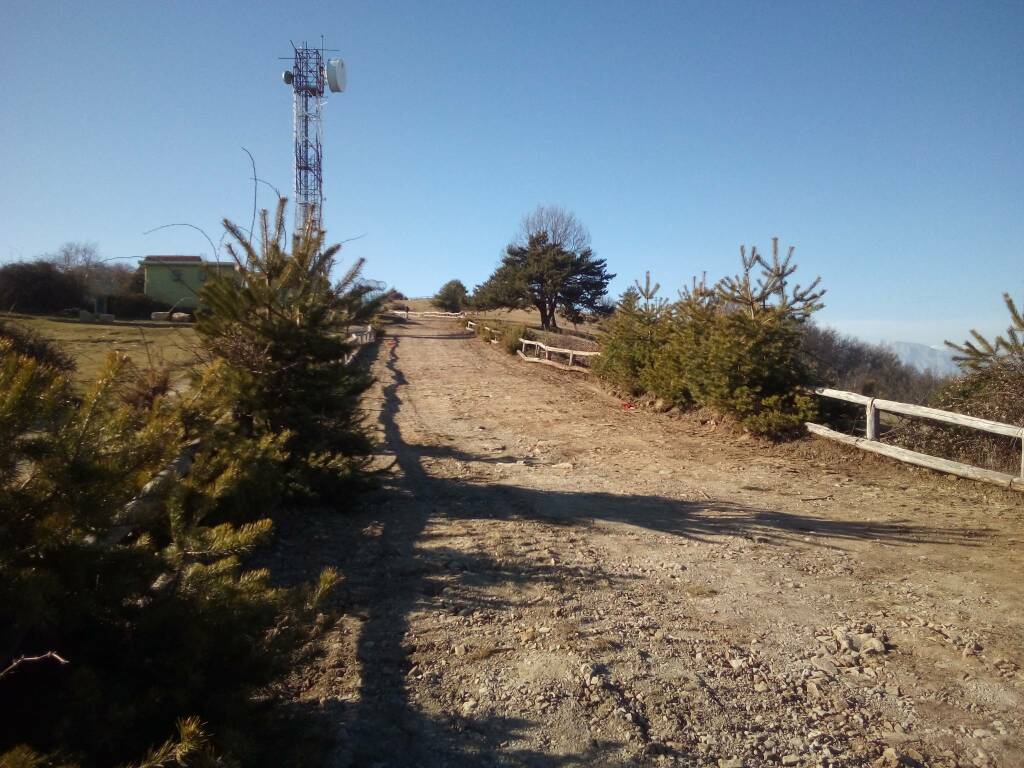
543 351
874 407
495 333
360 337
546 350
406 313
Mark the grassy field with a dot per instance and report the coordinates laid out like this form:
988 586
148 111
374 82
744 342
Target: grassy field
89 344
530 317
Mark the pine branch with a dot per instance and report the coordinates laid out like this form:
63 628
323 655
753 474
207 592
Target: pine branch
30 659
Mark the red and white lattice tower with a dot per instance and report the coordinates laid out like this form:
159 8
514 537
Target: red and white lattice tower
309 77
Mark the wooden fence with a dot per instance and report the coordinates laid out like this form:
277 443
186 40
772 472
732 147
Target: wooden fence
359 337
407 314
875 406
495 333
543 351
546 351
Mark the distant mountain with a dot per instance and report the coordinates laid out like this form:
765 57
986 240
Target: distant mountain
938 360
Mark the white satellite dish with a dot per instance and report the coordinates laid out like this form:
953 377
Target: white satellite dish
335 70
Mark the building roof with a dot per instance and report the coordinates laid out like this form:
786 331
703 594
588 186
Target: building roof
187 261
173 260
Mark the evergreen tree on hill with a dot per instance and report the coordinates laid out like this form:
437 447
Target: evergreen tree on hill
552 268
280 327
452 297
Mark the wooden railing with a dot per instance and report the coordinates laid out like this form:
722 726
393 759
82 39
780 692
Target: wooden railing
541 349
874 406
572 354
407 314
495 333
359 337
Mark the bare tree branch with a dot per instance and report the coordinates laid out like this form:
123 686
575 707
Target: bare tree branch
216 250
255 188
27 659
561 226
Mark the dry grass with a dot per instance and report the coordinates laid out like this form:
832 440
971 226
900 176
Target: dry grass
89 344
524 316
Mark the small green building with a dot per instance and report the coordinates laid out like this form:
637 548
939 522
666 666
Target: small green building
176 280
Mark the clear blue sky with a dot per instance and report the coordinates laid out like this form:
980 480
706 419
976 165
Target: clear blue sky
884 140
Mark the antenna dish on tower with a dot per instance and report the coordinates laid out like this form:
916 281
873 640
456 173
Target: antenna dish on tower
335 70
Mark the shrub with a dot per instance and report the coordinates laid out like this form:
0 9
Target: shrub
735 347
27 342
510 336
141 582
995 392
687 322
148 602
751 369
39 286
134 306
633 335
992 387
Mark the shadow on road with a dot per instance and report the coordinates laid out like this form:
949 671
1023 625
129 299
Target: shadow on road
389 575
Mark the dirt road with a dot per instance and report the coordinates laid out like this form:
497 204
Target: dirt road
545 579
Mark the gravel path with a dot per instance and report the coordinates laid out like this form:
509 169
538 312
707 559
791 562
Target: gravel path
546 579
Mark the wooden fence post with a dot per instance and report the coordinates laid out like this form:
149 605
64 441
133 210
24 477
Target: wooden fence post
875 406
871 429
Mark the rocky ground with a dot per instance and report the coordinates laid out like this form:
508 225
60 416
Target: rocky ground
545 578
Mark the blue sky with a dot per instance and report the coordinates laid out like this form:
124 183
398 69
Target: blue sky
883 140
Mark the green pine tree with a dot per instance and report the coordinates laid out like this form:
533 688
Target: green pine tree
280 328
633 335
126 602
980 353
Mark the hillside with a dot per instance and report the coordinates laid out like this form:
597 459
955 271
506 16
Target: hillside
548 579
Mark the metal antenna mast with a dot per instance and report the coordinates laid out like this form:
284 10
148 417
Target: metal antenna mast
308 77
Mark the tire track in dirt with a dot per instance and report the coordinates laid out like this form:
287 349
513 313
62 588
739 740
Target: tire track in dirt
546 579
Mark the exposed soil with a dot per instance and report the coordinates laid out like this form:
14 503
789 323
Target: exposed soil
546 579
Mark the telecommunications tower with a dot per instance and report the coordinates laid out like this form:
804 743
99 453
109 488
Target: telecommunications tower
309 76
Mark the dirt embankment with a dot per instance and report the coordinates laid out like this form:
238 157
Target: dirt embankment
545 579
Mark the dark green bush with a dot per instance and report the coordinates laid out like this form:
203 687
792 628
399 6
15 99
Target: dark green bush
687 325
134 306
130 612
751 369
452 297
735 347
634 333
148 602
39 286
